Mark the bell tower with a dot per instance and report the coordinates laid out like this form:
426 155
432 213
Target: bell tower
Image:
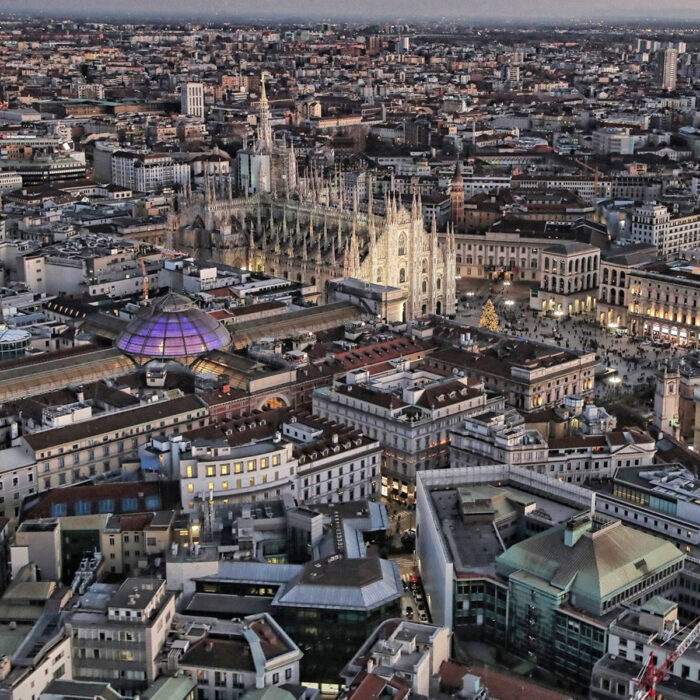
457 197
666 400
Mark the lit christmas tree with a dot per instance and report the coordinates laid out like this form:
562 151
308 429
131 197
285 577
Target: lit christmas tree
489 317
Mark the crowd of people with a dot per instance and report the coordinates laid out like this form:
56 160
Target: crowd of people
627 364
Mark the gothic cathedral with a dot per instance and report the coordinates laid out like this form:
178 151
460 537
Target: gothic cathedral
306 234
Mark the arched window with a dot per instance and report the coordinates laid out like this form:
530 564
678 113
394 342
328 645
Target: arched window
425 286
438 283
546 263
402 244
402 275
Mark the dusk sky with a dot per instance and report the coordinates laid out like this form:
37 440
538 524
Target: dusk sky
462 9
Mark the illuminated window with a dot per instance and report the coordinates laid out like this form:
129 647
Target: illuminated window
251 481
224 485
238 467
264 478
263 463
190 471
224 470
251 465
211 471
211 485
275 460
190 488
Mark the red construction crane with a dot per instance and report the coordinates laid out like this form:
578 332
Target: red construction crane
651 674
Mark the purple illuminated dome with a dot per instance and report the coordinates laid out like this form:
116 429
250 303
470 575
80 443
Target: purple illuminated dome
172 328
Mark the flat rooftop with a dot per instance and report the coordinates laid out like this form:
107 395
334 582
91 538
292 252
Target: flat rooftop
475 547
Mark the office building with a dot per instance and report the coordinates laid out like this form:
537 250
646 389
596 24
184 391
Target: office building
192 99
118 632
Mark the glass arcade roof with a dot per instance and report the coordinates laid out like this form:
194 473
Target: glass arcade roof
172 328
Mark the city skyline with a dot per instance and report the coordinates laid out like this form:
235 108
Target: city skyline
517 12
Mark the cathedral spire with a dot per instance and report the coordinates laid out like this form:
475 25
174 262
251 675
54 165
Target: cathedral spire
277 241
251 240
318 258
292 170
303 248
370 200
340 233
264 128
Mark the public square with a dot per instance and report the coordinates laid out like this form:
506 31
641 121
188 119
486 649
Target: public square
627 365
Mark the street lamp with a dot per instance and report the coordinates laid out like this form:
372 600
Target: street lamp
509 302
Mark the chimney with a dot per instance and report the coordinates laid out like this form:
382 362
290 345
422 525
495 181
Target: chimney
575 527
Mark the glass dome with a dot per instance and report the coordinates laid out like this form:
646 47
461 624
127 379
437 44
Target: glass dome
172 328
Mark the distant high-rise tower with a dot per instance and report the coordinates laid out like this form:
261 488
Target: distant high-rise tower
192 99
669 69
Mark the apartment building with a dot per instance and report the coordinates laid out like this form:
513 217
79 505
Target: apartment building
588 188
117 632
98 447
653 628
413 650
655 225
613 141
147 172
528 374
42 656
410 411
315 460
497 438
130 542
226 659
